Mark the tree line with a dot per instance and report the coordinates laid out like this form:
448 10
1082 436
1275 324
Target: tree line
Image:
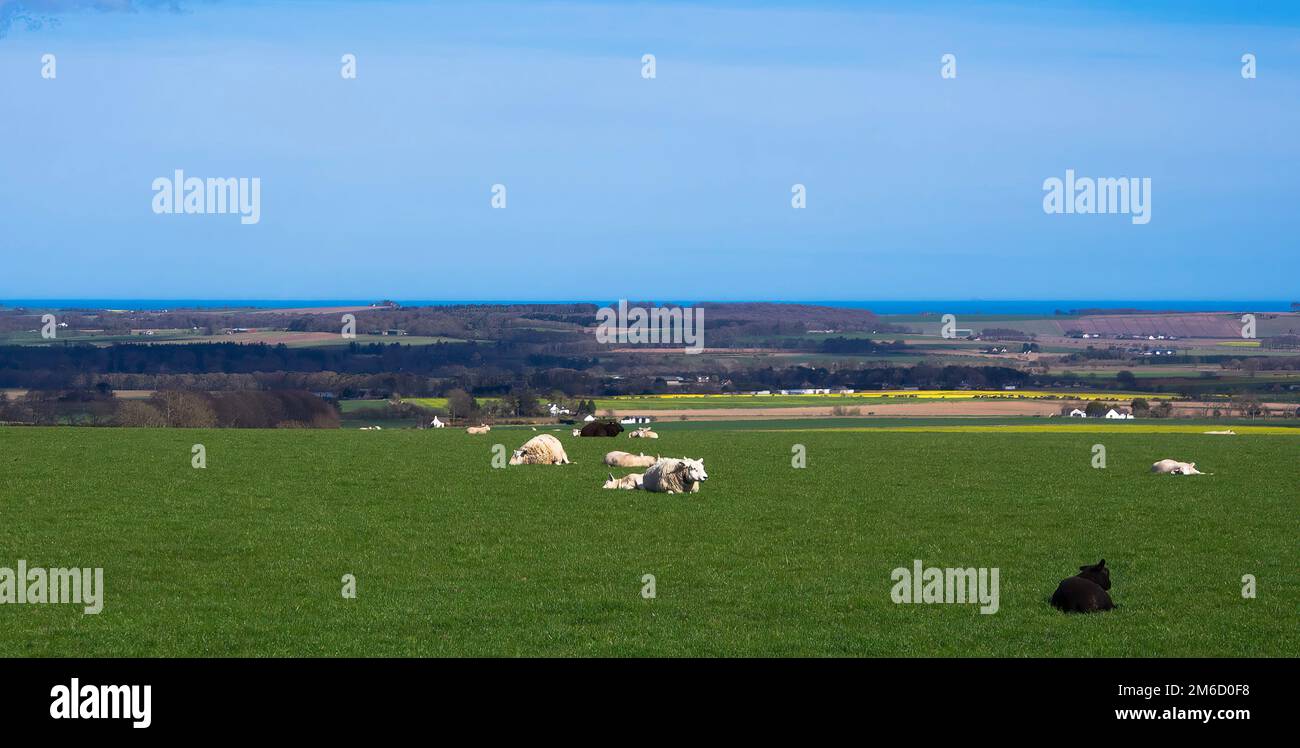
171 408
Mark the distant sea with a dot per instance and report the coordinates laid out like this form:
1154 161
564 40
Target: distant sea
950 306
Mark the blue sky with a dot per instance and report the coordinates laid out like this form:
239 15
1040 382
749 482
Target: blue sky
677 187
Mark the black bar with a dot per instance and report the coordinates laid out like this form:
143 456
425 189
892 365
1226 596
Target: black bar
1045 698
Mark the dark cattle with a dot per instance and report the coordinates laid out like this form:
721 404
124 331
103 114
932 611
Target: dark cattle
600 428
1085 592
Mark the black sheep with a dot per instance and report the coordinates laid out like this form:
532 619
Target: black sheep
601 428
1085 592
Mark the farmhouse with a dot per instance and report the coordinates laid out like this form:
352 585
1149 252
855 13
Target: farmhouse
1076 413
627 420
1117 415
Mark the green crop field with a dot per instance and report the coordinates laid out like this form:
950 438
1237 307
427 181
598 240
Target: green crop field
367 339
454 557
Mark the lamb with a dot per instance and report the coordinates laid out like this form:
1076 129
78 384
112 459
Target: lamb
1086 591
675 476
480 429
629 482
626 460
577 432
643 433
542 449
1174 467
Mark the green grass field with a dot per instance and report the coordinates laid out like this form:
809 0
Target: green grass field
453 557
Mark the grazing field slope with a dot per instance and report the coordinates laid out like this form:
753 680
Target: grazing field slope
453 557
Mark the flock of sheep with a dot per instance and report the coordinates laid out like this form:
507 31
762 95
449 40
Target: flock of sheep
673 475
1085 593
662 475
682 475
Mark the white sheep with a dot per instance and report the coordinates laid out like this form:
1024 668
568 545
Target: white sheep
542 449
1174 467
480 429
643 433
626 460
629 482
675 476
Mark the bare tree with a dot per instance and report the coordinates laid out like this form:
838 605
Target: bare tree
139 413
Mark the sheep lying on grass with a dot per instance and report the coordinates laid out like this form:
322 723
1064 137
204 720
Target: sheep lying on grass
601 428
643 433
480 429
542 449
630 482
1086 592
625 459
675 476
1174 467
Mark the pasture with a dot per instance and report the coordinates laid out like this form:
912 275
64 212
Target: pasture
454 557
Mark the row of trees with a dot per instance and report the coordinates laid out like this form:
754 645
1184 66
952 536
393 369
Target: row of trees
172 408
522 403
1140 408
462 406
1243 406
